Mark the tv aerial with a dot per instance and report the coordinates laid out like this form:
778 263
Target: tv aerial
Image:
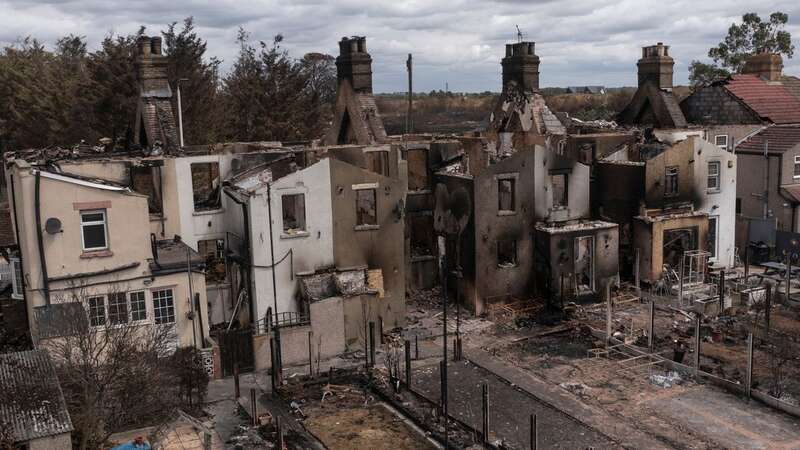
519 34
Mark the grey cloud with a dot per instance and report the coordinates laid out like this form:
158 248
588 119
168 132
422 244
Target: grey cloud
455 41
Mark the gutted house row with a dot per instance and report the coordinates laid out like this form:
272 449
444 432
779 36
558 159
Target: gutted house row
210 239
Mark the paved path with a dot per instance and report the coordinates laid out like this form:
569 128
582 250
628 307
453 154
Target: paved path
624 433
510 409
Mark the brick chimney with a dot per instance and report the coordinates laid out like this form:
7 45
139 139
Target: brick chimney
522 66
656 66
768 66
151 67
355 64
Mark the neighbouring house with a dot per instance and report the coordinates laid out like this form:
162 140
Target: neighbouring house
737 111
769 188
32 407
88 239
586 90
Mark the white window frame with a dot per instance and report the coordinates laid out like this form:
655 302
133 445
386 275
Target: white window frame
717 177
104 222
105 310
130 306
156 309
17 291
794 168
716 141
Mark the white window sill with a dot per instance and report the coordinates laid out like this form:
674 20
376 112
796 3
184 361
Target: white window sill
105 253
505 212
506 266
367 227
157 217
419 191
17 296
209 212
299 234
713 191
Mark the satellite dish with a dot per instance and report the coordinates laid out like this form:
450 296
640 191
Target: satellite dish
52 226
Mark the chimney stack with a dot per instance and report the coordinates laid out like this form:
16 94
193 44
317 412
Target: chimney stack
656 66
151 67
522 66
355 64
768 66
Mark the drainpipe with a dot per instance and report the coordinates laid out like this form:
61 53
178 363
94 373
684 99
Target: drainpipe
191 293
274 283
42 260
21 262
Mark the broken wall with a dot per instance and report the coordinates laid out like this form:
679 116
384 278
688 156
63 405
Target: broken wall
456 197
681 157
378 245
493 279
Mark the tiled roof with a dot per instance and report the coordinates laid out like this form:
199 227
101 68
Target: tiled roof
792 84
778 139
32 405
771 101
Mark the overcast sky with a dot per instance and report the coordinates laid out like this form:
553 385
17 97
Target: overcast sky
459 42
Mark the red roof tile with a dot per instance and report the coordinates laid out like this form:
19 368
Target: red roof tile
778 138
770 101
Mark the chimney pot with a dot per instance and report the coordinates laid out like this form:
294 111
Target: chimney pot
768 66
521 65
656 66
354 63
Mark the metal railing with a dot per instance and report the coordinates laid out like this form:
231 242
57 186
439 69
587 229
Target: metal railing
282 320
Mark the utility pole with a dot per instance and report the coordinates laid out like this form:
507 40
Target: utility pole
180 111
766 179
443 272
409 121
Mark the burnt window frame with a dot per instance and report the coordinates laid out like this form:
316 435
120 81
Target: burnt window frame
427 184
218 206
565 204
515 252
359 224
512 179
299 232
155 197
219 250
667 184
712 246
382 156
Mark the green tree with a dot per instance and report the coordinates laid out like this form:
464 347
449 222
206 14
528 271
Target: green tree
752 36
185 52
242 93
110 91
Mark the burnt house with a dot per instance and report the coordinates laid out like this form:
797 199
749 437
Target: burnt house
515 203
